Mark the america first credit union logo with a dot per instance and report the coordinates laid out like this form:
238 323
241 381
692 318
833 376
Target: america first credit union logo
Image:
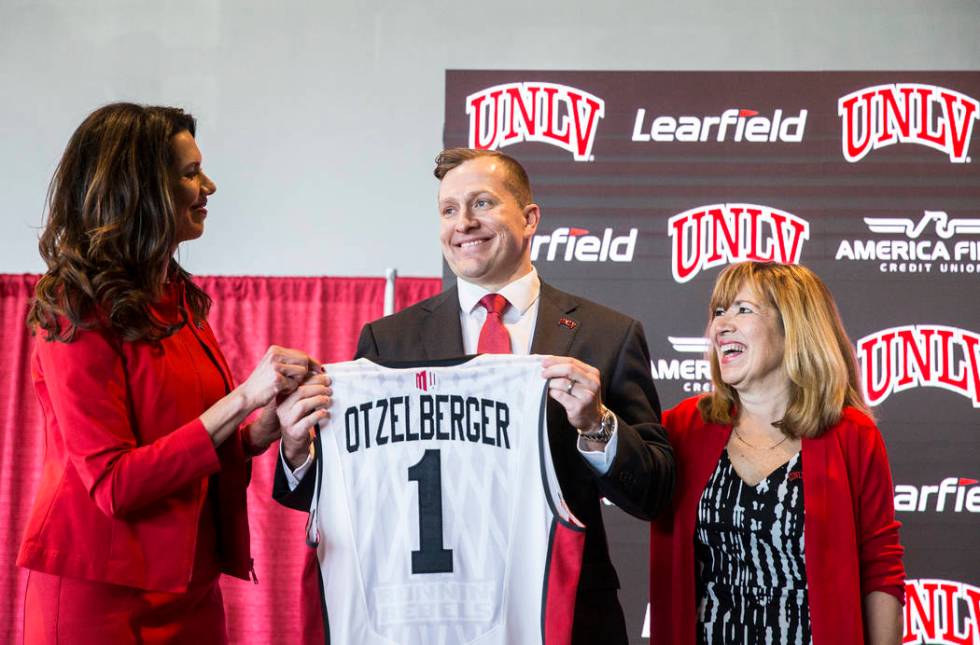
908 248
559 115
884 115
693 370
901 358
710 236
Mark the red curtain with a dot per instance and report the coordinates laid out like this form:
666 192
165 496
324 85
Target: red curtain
21 445
321 315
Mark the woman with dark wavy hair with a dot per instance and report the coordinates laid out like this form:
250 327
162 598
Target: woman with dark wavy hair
141 502
782 528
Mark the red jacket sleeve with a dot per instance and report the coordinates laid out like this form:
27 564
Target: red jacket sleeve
86 383
879 551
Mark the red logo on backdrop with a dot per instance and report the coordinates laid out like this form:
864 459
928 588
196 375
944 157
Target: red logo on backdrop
425 380
901 358
941 611
545 112
883 115
710 236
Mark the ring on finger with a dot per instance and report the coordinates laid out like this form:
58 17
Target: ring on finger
571 386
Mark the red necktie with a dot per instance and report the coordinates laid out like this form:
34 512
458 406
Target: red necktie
494 338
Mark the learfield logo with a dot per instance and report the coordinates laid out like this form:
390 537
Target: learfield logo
710 236
694 372
952 494
883 115
734 124
935 241
941 611
579 245
901 358
545 112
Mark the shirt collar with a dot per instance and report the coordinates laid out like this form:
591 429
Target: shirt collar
521 293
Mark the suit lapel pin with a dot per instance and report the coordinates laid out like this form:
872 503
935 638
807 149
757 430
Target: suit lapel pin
567 322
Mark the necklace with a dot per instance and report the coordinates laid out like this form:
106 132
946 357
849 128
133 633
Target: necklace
738 435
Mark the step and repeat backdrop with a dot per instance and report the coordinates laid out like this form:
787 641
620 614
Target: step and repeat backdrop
650 182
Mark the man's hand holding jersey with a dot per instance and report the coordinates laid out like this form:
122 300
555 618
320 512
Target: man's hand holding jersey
577 387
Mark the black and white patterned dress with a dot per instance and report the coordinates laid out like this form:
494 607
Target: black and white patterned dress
749 545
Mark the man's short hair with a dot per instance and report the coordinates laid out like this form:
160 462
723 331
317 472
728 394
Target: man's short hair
517 181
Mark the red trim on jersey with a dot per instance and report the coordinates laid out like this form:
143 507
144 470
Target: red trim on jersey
567 545
312 616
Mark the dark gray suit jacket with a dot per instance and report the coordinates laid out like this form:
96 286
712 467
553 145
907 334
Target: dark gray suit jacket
641 478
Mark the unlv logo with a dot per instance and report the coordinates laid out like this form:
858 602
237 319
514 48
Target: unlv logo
710 236
900 358
880 116
557 114
425 380
941 611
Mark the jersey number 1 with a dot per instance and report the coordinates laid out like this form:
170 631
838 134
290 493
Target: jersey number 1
431 556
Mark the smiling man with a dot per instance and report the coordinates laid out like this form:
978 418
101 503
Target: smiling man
487 218
603 412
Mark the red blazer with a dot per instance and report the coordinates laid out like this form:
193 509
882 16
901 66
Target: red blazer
127 461
849 527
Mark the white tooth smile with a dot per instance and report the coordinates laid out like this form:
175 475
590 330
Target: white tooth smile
733 348
466 245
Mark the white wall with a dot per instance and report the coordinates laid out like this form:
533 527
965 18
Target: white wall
319 120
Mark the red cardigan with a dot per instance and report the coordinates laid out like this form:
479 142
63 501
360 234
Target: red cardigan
849 527
127 460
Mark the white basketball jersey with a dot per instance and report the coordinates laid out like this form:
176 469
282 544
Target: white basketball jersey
439 515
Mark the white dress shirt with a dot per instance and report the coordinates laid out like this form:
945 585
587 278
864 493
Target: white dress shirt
520 315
